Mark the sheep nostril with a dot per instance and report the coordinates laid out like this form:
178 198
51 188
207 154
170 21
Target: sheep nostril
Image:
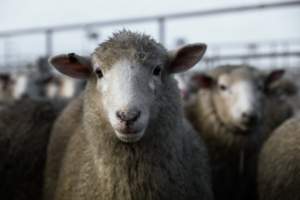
128 117
120 115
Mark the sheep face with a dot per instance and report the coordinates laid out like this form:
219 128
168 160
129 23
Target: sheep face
238 99
238 95
129 90
132 74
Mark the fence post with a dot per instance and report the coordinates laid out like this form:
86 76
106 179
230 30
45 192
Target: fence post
6 51
49 42
161 30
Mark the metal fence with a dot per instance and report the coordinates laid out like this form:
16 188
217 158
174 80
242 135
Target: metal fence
251 52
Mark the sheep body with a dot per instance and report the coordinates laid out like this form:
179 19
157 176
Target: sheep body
146 173
25 126
233 154
87 161
279 163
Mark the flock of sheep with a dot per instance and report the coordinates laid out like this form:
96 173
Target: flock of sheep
131 135
36 81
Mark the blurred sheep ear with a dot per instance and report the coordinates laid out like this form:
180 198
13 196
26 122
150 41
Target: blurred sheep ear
273 76
203 80
72 65
284 87
186 57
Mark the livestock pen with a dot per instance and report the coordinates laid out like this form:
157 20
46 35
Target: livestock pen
88 97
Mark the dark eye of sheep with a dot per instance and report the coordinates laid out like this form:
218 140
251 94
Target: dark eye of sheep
99 73
223 87
156 71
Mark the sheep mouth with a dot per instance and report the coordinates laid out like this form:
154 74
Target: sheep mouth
128 130
129 135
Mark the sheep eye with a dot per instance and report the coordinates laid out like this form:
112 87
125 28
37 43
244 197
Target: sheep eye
156 71
223 87
99 73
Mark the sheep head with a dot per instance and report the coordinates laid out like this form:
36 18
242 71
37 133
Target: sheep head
238 94
130 73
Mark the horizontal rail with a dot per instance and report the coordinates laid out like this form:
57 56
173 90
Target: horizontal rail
201 13
253 56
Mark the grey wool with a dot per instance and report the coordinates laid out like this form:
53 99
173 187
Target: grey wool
279 163
87 161
233 152
25 127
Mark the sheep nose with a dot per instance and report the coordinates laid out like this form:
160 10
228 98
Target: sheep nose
249 118
128 116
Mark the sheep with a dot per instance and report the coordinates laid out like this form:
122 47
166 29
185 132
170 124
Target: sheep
291 87
25 126
56 87
285 87
279 163
126 137
277 110
228 114
21 80
6 88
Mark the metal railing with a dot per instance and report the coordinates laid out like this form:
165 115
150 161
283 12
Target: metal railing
161 21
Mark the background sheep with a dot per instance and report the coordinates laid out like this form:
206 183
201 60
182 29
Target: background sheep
279 163
6 91
228 114
292 85
126 137
284 88
277 109
38 81
25 126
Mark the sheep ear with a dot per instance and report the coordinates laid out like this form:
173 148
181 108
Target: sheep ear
203 80
273 76
284 87
186 57
72 65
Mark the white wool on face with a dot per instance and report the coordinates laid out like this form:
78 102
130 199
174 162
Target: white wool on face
126 86
245 98
20 86
121 84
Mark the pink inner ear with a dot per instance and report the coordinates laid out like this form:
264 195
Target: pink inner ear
71 66
203 80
